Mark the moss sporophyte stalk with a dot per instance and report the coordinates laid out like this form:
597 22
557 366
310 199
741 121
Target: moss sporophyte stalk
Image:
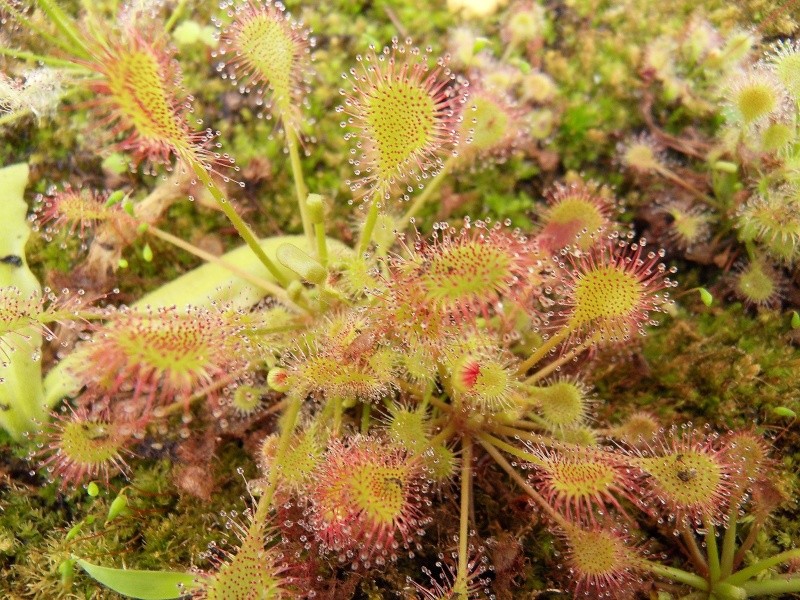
396 400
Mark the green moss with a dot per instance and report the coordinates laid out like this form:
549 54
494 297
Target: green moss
716 365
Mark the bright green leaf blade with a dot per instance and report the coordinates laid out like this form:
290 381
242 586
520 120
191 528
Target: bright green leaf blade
143 585
20 375
782 411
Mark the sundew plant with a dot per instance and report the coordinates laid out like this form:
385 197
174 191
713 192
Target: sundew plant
424 303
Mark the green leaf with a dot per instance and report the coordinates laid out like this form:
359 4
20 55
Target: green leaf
706 296
725 166
67 571
291 257
479 44
795 320
74 531
782 411
144 585
119 504
20 374
115 198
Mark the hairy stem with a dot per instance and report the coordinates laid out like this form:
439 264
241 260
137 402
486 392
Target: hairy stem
287 429
241 227
510 48
544 440
748 542
511 449
420 200
562 360
366 411
693 550
520 480
543 350
338 409
674 574
322 244
299 185
40 58
177 13
203 393
460 586
41 33
418 454
65 25
712 551
369 224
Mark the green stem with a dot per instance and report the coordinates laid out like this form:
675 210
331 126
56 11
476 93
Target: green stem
28 24
674 574
524 425
697 558
369 224
460 585
772 587
562 360
543 350
751 250
47 60
712 552
511 449
277 291
287 429
202 394
366 411
441 405
544 440
426 397
525 435
420 200
748 542
740 577
322 244
299 184
508 51
538 422
66 26
729 541
520 480
241 227
176 14
338 410
440 437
